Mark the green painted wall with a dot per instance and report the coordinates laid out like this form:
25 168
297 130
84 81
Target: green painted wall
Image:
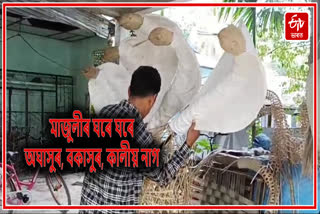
21 57
74 55
82 58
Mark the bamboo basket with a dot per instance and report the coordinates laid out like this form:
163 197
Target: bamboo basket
233 186
216 185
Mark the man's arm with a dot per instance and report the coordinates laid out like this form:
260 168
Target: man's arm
169 170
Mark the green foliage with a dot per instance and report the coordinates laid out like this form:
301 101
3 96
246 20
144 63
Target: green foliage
92 111
268 18
291 59
258 131
162 12
204 145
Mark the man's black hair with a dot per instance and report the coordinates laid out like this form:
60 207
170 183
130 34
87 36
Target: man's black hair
145 81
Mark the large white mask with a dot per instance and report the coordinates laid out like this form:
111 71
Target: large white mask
233 94
158 43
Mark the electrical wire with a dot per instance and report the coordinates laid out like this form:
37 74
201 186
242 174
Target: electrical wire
47 58
40 54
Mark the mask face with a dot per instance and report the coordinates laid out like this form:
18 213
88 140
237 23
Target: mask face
161 36
232 41
111 55
225 41
131 21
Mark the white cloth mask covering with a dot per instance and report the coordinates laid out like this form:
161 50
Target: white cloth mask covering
109 87
176 63
232 96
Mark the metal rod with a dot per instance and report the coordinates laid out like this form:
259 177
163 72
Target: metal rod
30 72
202 33
117 34
253 134
269 121
70 37
13 23
42 114
66 32
140 43
32 112
72 94
64 98
10 94
30 89
26 116
56 94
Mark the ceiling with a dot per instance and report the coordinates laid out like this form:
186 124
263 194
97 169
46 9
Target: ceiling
54 30
68 24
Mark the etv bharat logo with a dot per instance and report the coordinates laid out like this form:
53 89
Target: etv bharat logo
296 26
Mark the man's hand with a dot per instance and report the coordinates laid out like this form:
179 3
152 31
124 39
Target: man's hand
192 135
91 72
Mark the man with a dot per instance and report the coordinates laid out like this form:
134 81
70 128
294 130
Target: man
115 186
